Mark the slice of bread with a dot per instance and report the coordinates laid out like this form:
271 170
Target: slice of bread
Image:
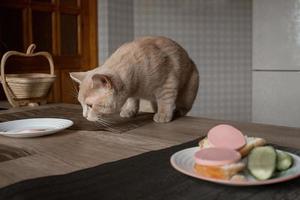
220 172
238 178
251 142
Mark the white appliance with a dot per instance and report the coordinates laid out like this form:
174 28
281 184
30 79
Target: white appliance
276 62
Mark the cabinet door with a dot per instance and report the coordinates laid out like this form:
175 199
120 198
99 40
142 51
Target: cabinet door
65 28
276 98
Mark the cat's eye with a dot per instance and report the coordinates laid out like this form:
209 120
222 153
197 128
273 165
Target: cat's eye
89 105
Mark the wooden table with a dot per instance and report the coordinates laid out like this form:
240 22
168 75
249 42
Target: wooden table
74 150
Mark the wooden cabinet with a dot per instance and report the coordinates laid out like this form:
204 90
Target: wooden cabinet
65 28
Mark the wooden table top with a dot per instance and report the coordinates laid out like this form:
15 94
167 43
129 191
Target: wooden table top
72 150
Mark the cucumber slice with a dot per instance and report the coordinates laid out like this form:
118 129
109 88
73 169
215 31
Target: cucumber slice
262 162
284 160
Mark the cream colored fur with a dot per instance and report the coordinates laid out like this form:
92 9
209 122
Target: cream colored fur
152 68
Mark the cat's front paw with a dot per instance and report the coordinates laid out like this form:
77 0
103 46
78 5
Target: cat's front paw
162 117
127 113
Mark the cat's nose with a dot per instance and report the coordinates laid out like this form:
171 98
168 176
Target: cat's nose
85 113
92 118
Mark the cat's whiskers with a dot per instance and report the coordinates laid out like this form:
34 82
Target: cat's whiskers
74 91
103 123
73 94
106 124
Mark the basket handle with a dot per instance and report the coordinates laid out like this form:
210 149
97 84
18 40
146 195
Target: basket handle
29 53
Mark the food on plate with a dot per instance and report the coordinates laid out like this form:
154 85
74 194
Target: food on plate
225 152
219 163
252 142
262 162
239 178
230 137
284 160
31 130
226 136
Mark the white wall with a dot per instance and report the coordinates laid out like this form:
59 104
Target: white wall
276 34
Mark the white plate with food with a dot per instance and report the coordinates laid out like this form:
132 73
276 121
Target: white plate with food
227 156
184 162
34 127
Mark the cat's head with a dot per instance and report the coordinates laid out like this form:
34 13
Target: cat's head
98 94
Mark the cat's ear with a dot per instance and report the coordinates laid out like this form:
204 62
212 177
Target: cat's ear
101 80
77 76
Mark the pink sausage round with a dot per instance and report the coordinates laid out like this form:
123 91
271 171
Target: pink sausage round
216 156
226 136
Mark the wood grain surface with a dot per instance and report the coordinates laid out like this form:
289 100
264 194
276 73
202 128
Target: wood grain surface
72 150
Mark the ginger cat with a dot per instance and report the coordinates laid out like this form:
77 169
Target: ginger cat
152 68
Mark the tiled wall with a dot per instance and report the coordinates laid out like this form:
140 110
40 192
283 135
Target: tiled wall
103 52
115 25
121 27
218 36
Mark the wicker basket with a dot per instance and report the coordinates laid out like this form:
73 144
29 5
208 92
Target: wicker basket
30 88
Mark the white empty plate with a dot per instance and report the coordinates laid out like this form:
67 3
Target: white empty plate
33 127
183 161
